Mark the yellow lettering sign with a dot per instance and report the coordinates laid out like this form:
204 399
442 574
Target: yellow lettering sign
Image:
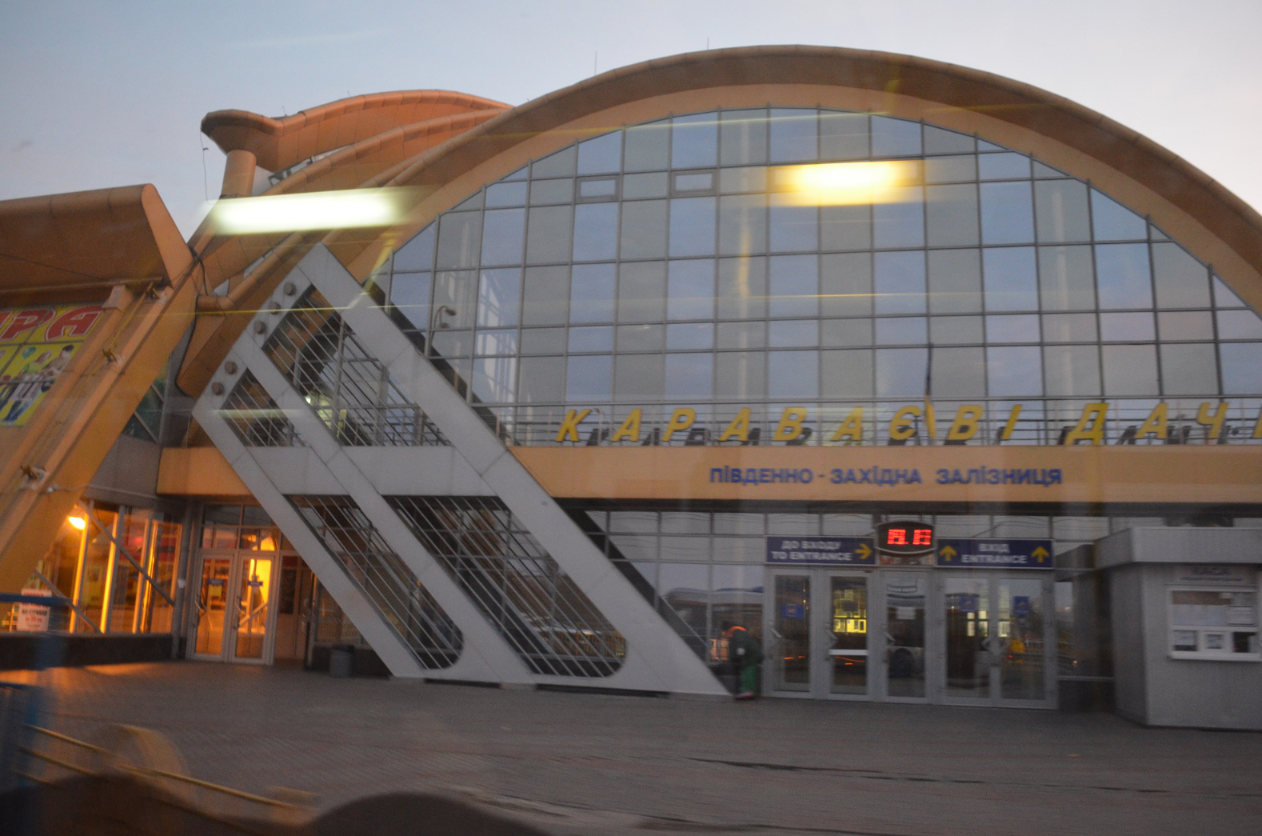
851 428
1090 425
1215 421
1012 423
1155 424
790 426
569 427
630 428
965 424
681 420
902 425
738 429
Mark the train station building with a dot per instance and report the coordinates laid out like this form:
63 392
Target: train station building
947 389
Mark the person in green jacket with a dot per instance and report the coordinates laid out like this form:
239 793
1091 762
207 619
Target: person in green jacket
745 653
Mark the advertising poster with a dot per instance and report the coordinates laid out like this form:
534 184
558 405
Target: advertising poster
32 618
36 346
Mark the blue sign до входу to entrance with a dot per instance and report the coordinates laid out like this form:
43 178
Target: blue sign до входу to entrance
821 551
994 554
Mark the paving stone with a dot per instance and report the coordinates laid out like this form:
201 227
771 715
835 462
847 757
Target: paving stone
572 763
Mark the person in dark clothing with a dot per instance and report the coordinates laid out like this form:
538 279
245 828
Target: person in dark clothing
745 653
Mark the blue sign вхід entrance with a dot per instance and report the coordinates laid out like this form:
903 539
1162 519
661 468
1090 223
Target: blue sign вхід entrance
994 554
826 551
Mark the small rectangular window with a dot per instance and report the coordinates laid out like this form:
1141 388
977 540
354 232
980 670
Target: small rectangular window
548 192
597 189
1214 623
694 182
636 186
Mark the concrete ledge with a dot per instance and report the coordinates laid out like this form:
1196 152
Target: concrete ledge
23 651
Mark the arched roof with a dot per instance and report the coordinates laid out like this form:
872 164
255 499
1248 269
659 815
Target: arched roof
969 96
1221 228
280 143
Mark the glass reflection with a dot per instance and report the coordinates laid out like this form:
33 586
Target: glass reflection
793 136
848 627
607 213
900 282
791 656
1010 279
1007 213
690 289
694 141
905 635
1122 276
692 226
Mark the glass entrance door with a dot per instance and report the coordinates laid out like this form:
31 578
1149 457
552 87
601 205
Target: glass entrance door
789 638
212 604
1025 645
996 640
906 599
818 634
847 635
253 606
233 620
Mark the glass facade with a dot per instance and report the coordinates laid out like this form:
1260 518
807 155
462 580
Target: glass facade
118 567
651 283
705 280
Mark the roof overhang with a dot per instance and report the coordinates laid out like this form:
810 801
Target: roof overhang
80 245
280 143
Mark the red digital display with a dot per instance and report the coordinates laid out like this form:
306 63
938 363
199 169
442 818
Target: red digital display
905 537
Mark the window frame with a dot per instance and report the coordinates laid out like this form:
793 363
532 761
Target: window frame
1211 655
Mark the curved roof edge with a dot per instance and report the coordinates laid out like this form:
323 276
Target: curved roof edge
84 242
972 95
1025 106
279 143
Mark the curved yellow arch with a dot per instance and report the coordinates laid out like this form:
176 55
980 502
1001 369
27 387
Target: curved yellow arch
1218 226
279 143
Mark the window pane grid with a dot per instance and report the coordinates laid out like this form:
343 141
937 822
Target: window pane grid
1062 247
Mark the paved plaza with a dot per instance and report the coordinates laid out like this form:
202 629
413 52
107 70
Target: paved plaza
578 763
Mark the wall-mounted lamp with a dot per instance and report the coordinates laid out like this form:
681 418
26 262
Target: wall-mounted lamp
443 310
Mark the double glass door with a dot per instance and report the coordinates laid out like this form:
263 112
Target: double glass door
234 618
997 640
909 635
824 637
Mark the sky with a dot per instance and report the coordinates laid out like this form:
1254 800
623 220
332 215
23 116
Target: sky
99 94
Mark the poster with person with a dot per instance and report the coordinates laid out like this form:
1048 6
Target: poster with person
36 346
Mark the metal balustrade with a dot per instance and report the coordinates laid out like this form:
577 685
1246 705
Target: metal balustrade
409 609
255 417
349 389
549 622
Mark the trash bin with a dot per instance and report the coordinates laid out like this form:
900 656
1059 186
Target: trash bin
342 660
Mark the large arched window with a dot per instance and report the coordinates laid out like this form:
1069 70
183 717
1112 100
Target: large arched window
666 266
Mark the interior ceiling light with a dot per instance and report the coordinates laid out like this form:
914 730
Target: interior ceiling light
318 210
847 184
77 522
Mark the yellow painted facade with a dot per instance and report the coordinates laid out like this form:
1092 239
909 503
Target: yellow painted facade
1088 476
